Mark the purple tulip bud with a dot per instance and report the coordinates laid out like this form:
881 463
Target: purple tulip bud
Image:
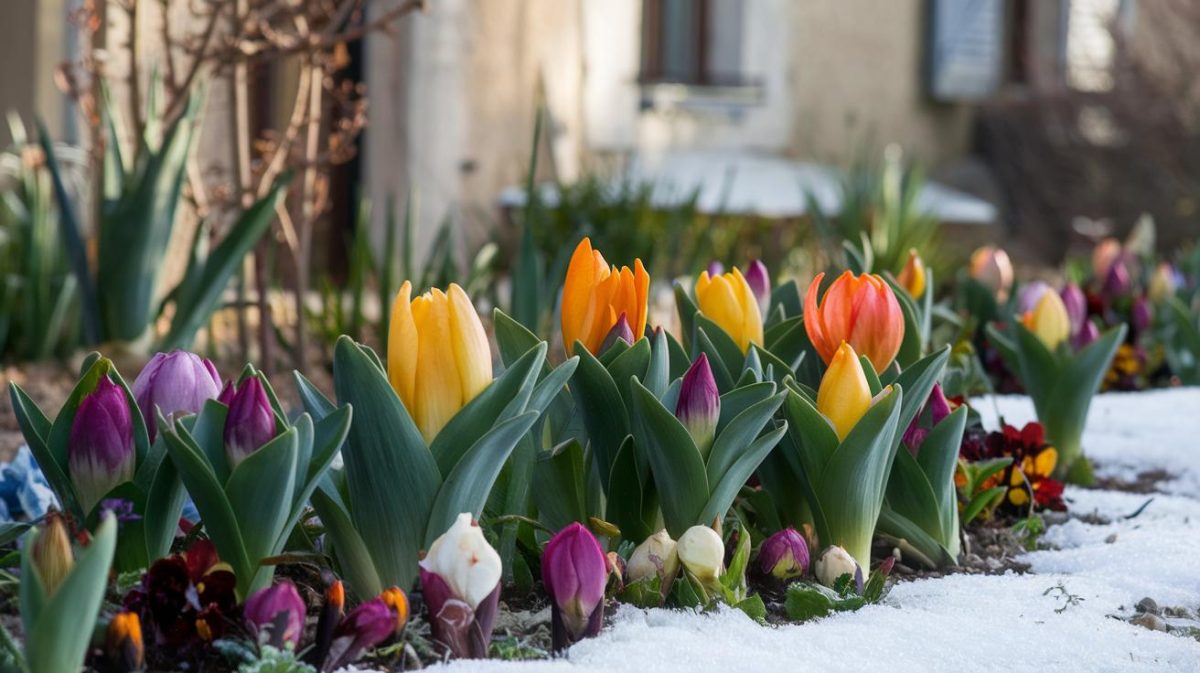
366 626
938 407
1117 282
575 573
759 281
177 383
226 396
715 268
101 453
784 555
1141 315
699 405
250 423
1029 296
276 614
1076 304
621 330
460 580
1087 334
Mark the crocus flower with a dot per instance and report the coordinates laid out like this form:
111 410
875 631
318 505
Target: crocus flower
1103 255
1164 282
250 422
699 405
656 556
991 267
1117 282
438 355
123 643
1076 304
460 578
1087 334
1141 315
176 383
332 614
1030 294
51 553
276 614
912 276
366 626
784 555
859 310
844 395
702 552
101 453
595 295
835 562
620 331
575 573
1049 320
759 280
397 600
729 301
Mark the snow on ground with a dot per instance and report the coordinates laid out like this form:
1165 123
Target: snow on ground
1058 619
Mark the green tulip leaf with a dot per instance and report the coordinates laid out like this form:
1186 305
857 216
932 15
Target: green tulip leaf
726 485
604 412
260 491
679 473
561 494
739 434
353 556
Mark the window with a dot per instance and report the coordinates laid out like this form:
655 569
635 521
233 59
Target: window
693 42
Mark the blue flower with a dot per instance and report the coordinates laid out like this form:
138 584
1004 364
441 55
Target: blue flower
24 491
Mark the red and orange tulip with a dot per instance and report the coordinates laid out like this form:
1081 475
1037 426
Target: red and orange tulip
860 310
596 295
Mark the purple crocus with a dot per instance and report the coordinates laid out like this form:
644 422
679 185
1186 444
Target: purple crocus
1087 334
575 572
250 423
175 383
101 454
784 555
366 626
1076 304
276 614
938 407
699 405
620 330
759 280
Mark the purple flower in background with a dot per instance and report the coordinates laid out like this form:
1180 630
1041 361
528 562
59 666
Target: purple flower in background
1076 304
24 490
176 383
1029 296
1141 315
365 627
784 555
575 572
715 268
276 614
699 405
1117 281
759 280
938 407
100 449
1087 334
250 423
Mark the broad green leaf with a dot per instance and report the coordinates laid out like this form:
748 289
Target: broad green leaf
315 402
726 486
721 372
730 444
630 505
512 338
916 544
918 381
738 400
354 558
678 469
604 413
813 435
164 505
561 478
208 433
727 349
36 428
260 490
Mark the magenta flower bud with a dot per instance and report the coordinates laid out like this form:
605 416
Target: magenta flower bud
784 555
101 454
250 423
1029 296
1087 334
176 383
1141 315
1117 282
715 268
226 396
575 572
366 626
938 407
1076 304
699 405
276 614
621 330
759 281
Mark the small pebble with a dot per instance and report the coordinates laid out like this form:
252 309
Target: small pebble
1147 605
1110 539
1149 621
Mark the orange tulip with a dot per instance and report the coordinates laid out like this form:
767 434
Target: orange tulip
860 310
912 276
595 296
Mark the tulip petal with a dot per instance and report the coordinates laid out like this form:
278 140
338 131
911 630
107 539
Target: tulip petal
437 374
586 269
844 396
471 349
813 324
402 348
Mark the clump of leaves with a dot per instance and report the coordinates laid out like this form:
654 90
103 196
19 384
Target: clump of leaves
809 600
1030 530
512 648
265 659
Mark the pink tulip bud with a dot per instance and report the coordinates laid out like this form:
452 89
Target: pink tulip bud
276 614
575 573
366 626
176 383
699 405
250 423
759 280
101 453
784 555
621 330
1076 304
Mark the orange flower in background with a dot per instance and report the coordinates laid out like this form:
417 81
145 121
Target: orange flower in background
991 267
595 296
912 276
860 310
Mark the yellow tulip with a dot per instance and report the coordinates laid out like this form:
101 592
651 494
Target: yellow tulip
912 276
844 395
1049 320
595 296
728 300
438 355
